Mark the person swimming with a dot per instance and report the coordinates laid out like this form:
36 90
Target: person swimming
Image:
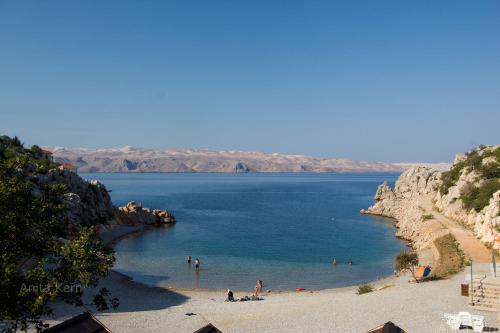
189 259
197 263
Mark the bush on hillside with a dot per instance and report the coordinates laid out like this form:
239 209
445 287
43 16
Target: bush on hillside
479 197
476 197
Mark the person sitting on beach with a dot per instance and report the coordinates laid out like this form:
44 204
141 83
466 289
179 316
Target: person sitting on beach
189 259
230 296
258 287
197 263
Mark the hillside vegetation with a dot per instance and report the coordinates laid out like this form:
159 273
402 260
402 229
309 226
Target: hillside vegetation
41 261
484 162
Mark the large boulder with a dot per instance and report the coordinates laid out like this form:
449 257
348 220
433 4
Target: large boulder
134 213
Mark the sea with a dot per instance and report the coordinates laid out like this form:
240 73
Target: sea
285 229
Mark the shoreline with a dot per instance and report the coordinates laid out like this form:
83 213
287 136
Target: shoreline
156 309
139 230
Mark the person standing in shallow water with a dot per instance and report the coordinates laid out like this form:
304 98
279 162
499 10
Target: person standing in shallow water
197 264
189 259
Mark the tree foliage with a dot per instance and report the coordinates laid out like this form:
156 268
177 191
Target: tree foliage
37 263
407 260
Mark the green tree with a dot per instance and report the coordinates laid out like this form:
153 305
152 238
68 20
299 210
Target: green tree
38 264
407 260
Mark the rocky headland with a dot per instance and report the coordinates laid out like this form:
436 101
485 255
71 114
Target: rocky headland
87 203
464 201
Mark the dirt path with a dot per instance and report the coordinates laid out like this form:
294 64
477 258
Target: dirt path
472 246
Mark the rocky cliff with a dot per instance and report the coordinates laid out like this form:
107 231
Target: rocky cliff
468 193
88 203
405 203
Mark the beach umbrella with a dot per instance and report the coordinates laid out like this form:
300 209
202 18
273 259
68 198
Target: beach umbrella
388 327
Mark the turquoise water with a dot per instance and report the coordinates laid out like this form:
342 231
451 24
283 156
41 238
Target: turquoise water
282 228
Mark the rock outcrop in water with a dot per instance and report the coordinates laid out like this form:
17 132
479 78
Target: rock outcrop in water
134 213
88 203
469 193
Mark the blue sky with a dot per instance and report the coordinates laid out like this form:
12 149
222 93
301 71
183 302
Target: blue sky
371 80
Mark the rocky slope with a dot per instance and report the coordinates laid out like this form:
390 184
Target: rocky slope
469 193
473 197
129 159
414 188
88 204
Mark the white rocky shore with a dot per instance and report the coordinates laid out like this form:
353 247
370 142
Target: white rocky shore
423 213
417 308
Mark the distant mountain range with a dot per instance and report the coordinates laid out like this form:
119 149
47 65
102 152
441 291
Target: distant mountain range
130 159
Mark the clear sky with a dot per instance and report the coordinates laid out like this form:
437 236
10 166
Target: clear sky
372 80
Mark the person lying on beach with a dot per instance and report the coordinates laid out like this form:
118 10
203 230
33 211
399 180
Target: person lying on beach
230 296
251 298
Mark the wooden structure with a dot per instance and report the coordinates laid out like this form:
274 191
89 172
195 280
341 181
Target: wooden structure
84 323
388 327
208 329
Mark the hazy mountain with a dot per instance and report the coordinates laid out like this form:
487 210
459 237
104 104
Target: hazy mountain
130 159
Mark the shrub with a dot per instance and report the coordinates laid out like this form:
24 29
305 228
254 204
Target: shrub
364 289
451 257
426 217
479 197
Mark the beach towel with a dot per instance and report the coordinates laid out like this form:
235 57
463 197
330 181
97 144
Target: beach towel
420 271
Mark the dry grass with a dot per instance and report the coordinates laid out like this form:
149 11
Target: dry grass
451 258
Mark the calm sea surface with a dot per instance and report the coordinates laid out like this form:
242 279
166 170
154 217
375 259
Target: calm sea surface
282 228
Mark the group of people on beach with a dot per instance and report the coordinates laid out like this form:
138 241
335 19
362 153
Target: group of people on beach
255 297
196 262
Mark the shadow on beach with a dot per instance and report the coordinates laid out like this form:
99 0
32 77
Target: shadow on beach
135 296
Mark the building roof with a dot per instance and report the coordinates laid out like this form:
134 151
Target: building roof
68 166
388 327
208 329
84 323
